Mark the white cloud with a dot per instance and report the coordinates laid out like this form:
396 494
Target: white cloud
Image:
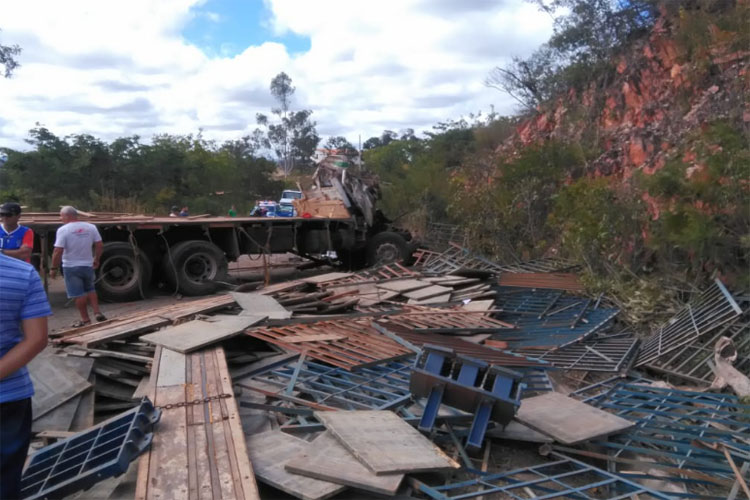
117 68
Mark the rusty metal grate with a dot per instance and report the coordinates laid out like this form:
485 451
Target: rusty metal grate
346 343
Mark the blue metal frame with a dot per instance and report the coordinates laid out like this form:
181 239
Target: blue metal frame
671 424
563 478
471 385
87 457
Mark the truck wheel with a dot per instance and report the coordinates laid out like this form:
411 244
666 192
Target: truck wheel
386 247
124 272
198 265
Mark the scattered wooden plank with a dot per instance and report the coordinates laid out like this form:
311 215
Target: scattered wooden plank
323 278
314 338
195 334
114 390
269 453
426 293
142 389
199 450
385 443
403 286
262 305
567 420
119 355
54 383
143 321
437 299
327 459
61 418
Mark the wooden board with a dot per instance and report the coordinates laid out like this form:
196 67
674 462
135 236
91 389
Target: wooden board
437 299
142 321
426 293
198 451
403 286
261 305
385 443
269 453
567 420
61 418
314 338
325 458
195 334
362 345
54 383
323 278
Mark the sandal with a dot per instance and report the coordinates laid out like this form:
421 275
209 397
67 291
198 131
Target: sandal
80 323
100 317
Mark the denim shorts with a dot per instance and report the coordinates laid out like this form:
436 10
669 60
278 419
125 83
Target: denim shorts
79 280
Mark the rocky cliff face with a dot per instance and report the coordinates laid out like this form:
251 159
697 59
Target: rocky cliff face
660 96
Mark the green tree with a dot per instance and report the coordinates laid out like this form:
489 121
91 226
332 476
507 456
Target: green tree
8 58
292 136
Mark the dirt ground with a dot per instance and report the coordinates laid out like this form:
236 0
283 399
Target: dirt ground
283 267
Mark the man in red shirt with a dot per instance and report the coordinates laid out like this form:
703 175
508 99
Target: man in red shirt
15 240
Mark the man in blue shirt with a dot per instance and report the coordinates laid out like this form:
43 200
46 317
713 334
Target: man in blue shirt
23 334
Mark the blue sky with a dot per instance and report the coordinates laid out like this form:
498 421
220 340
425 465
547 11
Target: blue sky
225 28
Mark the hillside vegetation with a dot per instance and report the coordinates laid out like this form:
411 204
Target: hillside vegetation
632 154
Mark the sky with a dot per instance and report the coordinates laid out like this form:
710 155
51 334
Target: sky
114 68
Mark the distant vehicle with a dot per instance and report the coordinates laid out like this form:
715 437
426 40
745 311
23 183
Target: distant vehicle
286 210
288 196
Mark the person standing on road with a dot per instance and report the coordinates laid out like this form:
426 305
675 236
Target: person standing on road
184 212
78 246
23 334
232 211
15 240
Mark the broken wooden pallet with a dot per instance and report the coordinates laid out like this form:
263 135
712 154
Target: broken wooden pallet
360 346
199 449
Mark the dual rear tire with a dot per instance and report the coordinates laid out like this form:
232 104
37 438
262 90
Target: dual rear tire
193 267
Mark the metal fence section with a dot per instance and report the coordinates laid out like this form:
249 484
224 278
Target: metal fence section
693 362
694 430
86 458
564 477
712 309
614 354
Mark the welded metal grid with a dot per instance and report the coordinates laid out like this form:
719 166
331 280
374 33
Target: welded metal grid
614 354
529 302
564 477
679 427
88 457
450 322
712 309
598 390
378 387
556 329
693 361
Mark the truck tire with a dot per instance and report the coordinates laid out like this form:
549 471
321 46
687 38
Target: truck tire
198 266
124 272
386 247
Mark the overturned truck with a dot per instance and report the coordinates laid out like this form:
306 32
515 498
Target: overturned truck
191 254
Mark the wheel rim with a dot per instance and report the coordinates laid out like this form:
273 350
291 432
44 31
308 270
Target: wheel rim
387 252
200 267
118 273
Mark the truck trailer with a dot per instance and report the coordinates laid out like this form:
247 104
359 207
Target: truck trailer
192 253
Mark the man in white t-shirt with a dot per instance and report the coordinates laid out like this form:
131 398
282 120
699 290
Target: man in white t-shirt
78 246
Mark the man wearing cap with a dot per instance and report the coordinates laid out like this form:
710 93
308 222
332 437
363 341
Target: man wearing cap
15 240
78 246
